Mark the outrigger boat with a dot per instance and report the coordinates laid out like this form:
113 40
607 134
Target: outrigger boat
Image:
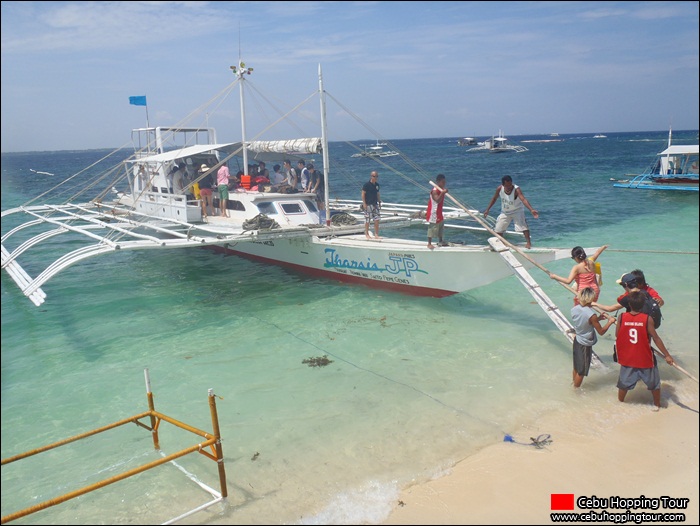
376 150
499 144
675 168
287 229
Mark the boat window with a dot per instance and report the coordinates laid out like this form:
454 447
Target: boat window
235 205
310 205
267 208
292 208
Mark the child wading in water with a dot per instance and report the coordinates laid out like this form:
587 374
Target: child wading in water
586 321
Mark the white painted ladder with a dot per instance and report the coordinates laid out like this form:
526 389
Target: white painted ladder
561 321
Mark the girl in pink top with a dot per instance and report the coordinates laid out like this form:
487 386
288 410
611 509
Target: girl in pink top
583 272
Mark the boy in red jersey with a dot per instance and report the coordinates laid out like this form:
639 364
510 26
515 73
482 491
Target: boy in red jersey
634 353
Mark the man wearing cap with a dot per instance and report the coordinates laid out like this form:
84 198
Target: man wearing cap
205 190
629 283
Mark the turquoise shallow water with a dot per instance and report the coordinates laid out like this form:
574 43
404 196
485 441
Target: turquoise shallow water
415 384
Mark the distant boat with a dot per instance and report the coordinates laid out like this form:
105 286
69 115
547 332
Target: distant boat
376 151
675 168
555 134
497 145
40 173
466 141
600 136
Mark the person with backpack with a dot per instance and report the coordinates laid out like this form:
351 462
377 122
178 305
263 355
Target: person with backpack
642 284
635 330
649 307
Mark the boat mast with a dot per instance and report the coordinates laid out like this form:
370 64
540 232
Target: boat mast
240 70
668 154
324 145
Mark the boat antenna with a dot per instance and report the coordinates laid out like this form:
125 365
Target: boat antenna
324 143
240 70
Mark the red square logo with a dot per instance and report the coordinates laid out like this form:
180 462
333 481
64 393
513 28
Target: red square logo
562 501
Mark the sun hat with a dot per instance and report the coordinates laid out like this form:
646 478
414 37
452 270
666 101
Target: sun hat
203 168
627 280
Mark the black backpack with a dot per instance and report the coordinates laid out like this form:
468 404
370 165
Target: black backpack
651 308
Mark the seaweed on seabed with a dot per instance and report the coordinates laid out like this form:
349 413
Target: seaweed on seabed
317 361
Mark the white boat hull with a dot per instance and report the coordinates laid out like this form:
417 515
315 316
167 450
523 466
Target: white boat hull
399 265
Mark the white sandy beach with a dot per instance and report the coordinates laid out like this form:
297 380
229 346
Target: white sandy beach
650 454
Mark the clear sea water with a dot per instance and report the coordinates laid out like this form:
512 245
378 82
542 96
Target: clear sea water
415 384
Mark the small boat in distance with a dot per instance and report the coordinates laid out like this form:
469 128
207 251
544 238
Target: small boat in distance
376 151
675 168
466 141
497 145
600 136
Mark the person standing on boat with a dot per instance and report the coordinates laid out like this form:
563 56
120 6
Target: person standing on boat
316 185
586 321
179 181
512 203
371 204
205 191
291 174
583 272
222 180
303 176
436 221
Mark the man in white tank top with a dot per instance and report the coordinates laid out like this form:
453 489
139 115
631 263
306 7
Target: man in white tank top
512 209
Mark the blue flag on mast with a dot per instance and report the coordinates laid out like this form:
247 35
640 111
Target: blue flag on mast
139 100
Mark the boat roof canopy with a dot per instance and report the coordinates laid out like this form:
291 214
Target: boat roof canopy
261 150
680 149
188 151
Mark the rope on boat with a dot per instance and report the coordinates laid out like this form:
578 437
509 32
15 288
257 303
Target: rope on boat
260 222
653 251
343 218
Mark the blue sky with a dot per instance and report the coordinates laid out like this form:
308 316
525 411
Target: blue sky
408 69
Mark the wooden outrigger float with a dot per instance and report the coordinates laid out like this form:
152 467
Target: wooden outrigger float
212 443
